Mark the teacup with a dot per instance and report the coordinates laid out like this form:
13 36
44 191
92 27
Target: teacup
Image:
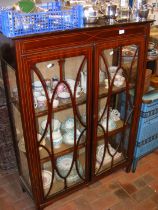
69 123
40 102
61 88
37 85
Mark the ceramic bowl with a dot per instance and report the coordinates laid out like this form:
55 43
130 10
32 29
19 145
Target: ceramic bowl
68 137
64 95
37 85
68 124
55 124
71 82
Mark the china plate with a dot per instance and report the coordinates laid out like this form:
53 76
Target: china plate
64 162
64 95
47 177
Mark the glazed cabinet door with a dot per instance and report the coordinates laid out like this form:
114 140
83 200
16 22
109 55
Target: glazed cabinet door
10 81
118 77
61 99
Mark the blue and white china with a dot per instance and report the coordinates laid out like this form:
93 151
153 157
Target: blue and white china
68 137
55 124
115 115
57 142
68 124
64 164
111 124
107 157
37 85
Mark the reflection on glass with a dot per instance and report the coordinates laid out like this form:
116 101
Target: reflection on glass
117 79
59 89
13 91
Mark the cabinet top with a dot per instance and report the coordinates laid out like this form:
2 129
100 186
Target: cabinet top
100 25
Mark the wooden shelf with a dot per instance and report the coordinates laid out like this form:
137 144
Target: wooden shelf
63 150
119 128
63 104
104 92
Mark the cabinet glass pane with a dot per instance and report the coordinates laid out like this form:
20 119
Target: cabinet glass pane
59 89
14 99
117 80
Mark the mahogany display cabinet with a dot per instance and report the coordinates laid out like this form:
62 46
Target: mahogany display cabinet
64 93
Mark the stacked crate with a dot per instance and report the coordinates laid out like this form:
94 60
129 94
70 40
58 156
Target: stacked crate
147 136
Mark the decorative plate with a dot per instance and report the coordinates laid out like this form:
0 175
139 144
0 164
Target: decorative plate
47 178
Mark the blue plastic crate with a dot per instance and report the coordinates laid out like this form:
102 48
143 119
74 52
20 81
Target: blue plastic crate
55 18
147 136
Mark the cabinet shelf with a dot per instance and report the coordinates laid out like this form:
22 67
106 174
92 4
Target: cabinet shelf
63 105
66 103
103 92
63 150
119 128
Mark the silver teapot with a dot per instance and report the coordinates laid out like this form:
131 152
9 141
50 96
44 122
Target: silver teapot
141 9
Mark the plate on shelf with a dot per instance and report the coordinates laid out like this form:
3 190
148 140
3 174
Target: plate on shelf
21 143
47 178
64 95
64 164
107 157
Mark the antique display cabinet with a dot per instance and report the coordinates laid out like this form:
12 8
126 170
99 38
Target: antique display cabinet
65 93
